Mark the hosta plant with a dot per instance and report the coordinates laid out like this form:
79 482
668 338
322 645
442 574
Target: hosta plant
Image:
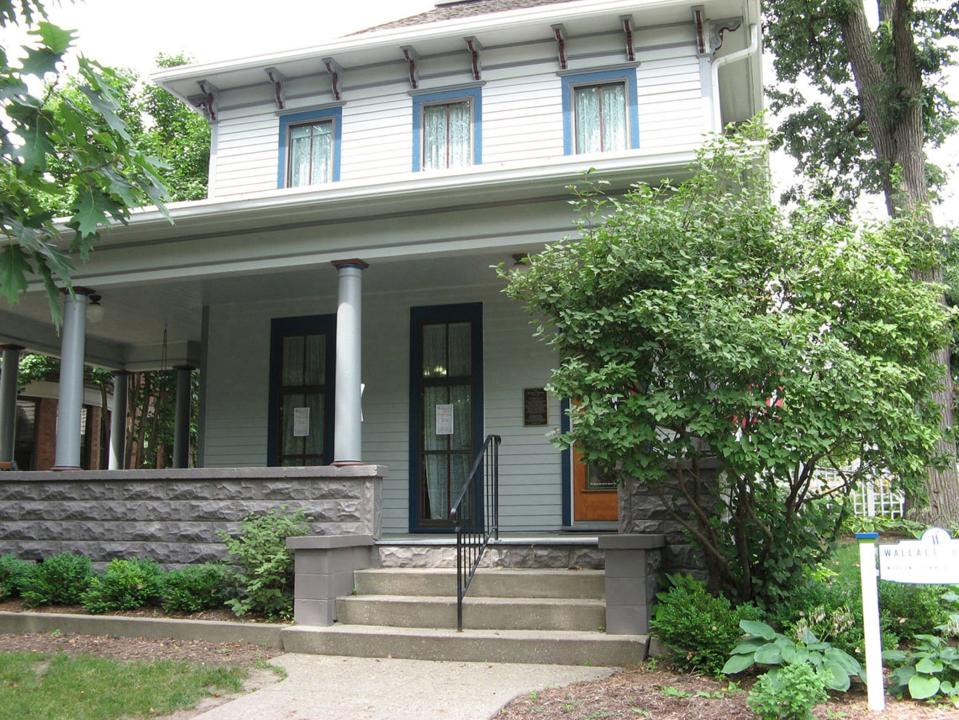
930 671
764 647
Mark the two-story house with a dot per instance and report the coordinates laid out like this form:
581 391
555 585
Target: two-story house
335 289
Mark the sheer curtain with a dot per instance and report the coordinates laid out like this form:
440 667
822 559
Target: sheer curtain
600 118
311 154
446 136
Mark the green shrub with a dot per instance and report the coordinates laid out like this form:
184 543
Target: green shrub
929 670
197 587
265 565
12 574
789 693
124 585
909 610
58 580
763 646
699 628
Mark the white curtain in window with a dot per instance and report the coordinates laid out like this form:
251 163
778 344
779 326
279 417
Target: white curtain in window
600 118
460 154
434 137
311 154
614 117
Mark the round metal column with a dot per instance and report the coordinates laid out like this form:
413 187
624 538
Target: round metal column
70 405
118 420
8 400
347 428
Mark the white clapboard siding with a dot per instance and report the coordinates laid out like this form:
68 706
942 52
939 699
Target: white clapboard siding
522 107
236 421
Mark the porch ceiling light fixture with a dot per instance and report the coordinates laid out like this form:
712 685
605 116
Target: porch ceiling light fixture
95 309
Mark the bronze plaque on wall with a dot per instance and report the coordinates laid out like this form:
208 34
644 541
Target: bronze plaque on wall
535 407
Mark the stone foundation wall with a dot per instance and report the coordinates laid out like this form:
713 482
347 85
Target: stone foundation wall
642 511
569 556
174 516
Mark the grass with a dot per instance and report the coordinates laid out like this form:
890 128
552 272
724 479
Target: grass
79 687
845 561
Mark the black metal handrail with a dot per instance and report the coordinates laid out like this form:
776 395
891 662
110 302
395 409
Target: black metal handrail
475 525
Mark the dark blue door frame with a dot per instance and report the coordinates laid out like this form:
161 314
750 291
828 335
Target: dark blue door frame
420 316
302 325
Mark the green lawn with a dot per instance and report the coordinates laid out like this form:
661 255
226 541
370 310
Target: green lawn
845 561
78 687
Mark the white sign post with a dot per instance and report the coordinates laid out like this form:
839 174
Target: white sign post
870 620
931 560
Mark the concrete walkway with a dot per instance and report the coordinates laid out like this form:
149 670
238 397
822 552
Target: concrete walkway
321 687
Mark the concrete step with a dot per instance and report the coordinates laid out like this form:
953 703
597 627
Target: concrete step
494 582
553 647
478 612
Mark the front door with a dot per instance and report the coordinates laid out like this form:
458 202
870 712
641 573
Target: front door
595 497
446 409
302 372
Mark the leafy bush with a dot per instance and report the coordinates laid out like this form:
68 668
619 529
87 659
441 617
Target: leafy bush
787 694
699 628
910 610
827 609
929 670
266 566
58 580
765 647
12 574
124 585
197 587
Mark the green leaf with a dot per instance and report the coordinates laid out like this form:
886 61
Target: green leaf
91 213
769 655
40 61
13 270
929 666
747 647
923 686
894 656
834 676
736 664
758 629
54 37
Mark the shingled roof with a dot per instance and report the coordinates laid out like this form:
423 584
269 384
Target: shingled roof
461 9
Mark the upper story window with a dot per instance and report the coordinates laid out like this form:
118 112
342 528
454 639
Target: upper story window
446 129
309 148
600 112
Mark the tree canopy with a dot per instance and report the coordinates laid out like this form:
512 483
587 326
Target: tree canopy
698 327
107 173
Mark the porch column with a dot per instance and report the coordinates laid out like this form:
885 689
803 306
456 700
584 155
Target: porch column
8 400
70 404
181 427
347 434
118 420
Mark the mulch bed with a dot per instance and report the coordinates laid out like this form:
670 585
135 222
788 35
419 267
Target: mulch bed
197 651
657 694
222 614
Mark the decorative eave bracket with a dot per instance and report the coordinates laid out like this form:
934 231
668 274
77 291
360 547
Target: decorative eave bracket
627 22
336 75
699 26
473 47
206 100
719 28
279 93
559 32
411 58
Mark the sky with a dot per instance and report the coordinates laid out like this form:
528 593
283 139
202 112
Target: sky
130 33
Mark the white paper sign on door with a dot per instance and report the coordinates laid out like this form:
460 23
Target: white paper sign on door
301 422
444 419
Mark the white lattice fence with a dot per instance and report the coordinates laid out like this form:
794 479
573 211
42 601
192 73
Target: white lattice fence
875 497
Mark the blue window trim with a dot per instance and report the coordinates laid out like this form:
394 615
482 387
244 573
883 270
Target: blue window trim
473 94
419 316
627 75
300 325
335 114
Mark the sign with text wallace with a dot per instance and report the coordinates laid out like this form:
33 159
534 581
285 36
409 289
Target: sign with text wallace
933 559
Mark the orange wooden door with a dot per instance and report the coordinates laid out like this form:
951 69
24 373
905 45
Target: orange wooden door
594 497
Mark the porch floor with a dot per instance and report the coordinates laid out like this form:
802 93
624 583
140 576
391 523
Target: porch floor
556 538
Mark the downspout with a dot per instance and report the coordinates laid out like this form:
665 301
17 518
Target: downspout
726 60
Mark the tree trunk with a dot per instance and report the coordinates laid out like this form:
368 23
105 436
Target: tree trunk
898 138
